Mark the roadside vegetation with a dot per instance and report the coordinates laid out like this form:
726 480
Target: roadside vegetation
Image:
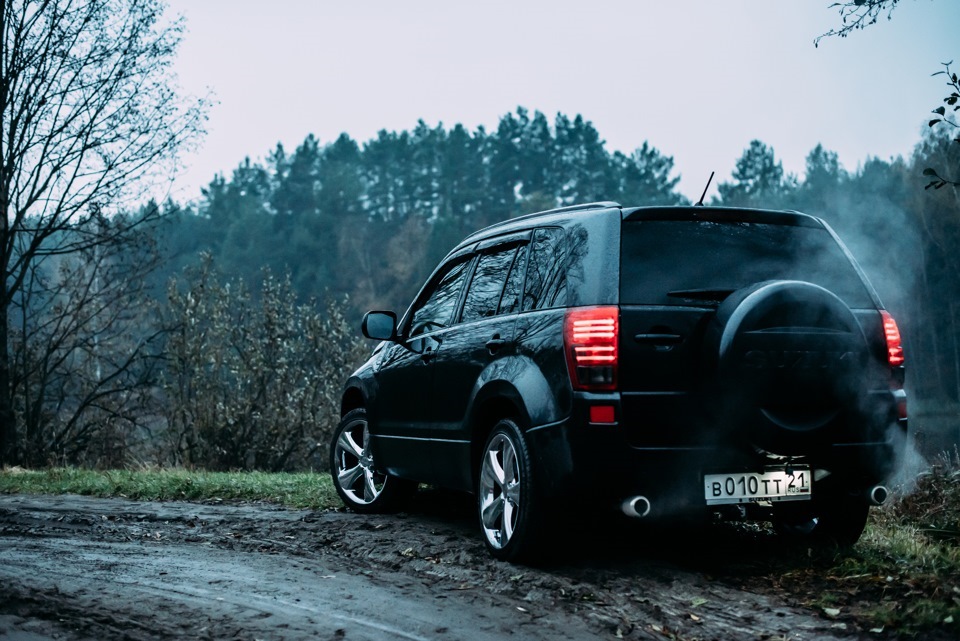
299 490
903 576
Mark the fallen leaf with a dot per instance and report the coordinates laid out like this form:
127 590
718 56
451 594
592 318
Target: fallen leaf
831 612
695 617
696 603
522 609
949 619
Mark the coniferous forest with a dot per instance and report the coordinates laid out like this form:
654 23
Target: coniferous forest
247 320
370 220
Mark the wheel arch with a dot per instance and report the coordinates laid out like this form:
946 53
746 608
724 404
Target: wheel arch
512 388
496 401
352 398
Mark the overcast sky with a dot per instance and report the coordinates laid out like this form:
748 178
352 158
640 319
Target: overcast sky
698 79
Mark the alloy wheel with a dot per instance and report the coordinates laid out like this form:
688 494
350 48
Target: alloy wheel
356 475
499 491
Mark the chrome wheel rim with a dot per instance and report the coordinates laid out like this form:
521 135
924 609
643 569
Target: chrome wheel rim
499 491
355 473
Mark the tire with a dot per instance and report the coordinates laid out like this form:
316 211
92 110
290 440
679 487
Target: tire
836 521
358 482
789 361
508 500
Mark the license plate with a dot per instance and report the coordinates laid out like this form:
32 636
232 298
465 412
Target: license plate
749 487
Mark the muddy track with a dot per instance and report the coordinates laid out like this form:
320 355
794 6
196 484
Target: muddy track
82 568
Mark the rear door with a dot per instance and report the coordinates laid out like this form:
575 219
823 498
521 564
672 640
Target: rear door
484 334
674 275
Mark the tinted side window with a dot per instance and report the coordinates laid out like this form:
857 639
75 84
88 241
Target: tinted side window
488 279
441 305
510 302
546 285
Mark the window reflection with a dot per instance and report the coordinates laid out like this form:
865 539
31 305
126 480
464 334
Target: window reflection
555 257
488 280
510 302
439 308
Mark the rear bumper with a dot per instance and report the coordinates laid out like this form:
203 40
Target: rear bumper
595 463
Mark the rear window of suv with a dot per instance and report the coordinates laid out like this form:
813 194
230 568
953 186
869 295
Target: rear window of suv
684 262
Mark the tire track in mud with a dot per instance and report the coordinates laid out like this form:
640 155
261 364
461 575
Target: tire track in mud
120 569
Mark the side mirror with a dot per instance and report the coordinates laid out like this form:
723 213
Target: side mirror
381 326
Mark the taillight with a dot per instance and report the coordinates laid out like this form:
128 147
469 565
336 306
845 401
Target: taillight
892 334
590 342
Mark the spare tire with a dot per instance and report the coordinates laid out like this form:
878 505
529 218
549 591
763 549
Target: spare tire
789 360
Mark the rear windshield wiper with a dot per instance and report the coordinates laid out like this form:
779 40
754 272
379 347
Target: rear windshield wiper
706 295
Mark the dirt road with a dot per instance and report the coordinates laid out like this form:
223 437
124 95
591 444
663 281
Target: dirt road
82 568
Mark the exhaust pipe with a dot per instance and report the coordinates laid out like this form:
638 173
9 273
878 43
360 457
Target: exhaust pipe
637 507
877 495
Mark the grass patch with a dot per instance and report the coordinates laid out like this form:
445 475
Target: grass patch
900 578
904 574
301 490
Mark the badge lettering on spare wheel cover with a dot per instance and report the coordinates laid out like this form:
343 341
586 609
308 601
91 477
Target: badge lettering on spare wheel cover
795 359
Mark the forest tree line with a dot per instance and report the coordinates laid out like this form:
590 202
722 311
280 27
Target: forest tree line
217 332
371 220
245 325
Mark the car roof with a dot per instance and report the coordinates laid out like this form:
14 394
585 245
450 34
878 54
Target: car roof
541 217
657 212
722 214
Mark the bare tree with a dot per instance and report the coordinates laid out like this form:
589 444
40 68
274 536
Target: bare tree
89 115
84 346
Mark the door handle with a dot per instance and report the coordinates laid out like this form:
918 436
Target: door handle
659 340
495 343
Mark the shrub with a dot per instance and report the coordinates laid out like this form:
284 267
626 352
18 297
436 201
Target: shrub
252 382
934 505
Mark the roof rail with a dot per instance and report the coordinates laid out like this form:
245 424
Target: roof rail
604 204
560 210
596 205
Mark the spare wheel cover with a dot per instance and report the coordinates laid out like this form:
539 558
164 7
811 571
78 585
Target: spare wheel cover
791 360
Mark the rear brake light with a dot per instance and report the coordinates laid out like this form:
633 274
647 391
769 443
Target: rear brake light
892 334
590 343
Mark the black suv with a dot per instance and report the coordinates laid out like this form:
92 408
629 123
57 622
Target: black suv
663 361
